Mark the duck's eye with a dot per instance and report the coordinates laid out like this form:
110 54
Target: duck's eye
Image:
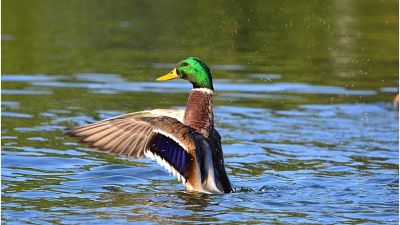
184 64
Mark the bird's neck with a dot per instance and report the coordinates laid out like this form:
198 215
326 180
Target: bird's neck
198 111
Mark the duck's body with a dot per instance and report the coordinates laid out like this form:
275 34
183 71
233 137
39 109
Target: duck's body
185 144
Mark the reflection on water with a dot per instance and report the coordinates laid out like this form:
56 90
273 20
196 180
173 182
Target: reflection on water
303 104
112 83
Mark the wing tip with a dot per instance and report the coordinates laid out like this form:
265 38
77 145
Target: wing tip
73 133
70 131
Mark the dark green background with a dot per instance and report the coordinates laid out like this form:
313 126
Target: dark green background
341 43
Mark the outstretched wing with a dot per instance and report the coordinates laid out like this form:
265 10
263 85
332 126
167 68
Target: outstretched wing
161 138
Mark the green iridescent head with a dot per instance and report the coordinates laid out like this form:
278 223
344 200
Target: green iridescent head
193 70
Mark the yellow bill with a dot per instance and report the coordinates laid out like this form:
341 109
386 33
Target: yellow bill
169 76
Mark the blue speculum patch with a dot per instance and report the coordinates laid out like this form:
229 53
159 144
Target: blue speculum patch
170 151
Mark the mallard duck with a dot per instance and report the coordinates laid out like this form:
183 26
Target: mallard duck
187 144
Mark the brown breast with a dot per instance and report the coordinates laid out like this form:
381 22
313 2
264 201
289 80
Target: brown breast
198 112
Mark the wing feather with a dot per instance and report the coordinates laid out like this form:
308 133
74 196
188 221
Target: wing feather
119 143
165 139
131 134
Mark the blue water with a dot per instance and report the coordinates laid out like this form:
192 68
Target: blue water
312 163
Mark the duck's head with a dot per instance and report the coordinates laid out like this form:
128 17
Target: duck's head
193 70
